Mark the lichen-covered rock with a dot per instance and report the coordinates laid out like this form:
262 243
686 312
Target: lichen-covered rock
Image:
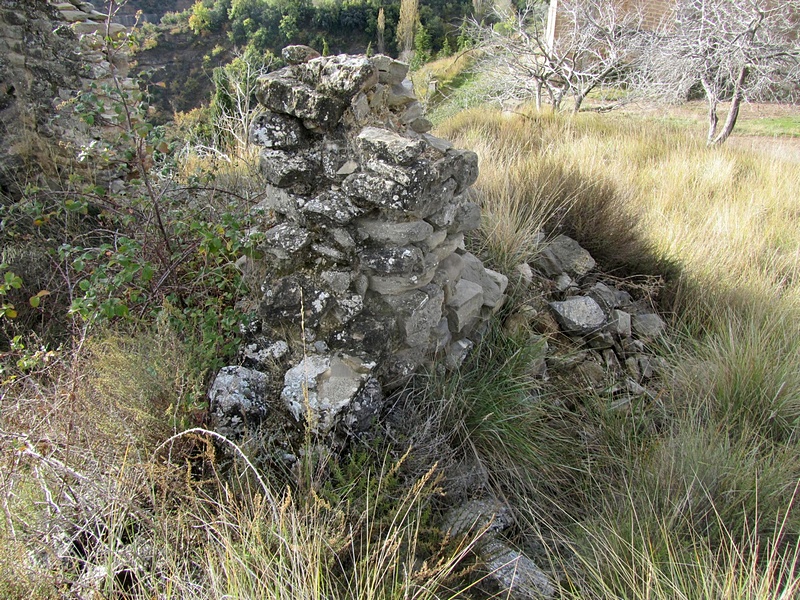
578 315
392 260
317 91
238 400
333 206
565 255
286 169
272 130
390 146
320 388
298 54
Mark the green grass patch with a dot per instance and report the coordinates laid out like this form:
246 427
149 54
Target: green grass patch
787 126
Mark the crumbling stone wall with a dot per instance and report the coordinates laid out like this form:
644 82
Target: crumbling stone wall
49 51
362 231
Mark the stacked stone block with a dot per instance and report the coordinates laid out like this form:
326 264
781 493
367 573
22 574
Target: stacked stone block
362 229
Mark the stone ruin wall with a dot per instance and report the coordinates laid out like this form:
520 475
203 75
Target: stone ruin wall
362 241
49 51
365 273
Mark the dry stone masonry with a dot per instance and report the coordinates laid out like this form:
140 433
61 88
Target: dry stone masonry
362 235
49 51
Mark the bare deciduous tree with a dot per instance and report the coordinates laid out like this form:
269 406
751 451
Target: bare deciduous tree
734 50
234 100
596 41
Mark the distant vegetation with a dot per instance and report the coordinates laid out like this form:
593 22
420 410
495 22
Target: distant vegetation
349 25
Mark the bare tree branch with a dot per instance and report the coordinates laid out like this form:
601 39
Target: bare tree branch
597 41
732 50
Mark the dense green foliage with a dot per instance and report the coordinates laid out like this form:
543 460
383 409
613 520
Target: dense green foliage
346 25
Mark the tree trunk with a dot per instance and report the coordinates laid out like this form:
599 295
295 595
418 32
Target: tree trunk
579 97
733 114
713 119
538 94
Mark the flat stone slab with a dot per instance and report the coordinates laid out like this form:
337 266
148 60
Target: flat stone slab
383 232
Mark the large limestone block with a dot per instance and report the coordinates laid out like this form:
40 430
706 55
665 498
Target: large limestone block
321 387
461 165
417 313
565 255
284 95
390 285
448 274
390 146
285 241
493 283
287 169
376 191
298 54
74 16
464 307
277 201
88 27
389 70
342 76
282 132
418 178
578 315
332 206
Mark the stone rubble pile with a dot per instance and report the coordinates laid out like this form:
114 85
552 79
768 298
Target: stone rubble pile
362 235
515 575
610 329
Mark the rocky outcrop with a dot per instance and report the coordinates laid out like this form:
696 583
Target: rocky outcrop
362 231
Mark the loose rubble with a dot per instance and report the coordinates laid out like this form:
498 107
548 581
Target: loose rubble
508 569
604 333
